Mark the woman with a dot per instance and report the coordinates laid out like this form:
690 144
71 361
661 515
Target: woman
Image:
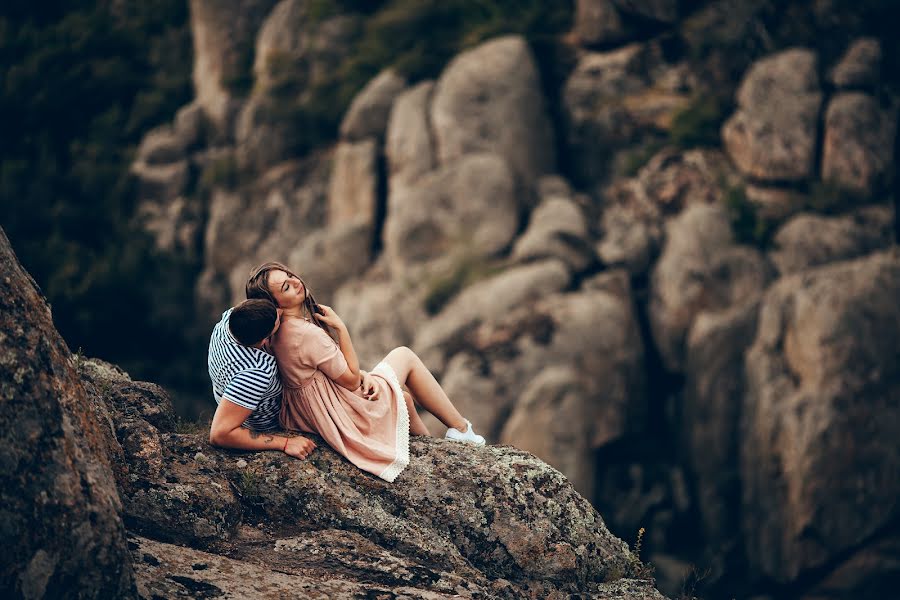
366 417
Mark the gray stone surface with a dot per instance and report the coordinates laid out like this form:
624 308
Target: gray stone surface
409 145
821 417
711 416
457 520
557 228
223 35
468 207
772 136
810 240
368 114
860 66
59 508
353 189
598 22
489 99
635 209
858 150
701 268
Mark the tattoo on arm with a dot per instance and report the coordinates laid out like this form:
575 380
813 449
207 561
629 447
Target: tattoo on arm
256 435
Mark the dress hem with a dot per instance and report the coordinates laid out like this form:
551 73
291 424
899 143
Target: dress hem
390 473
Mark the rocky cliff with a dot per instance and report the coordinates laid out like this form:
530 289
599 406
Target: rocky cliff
105 494
670 272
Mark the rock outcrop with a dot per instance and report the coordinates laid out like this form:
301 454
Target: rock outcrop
489 522
224 34
701 268
620 98
62 533
818 457
776 145
489 99
858 150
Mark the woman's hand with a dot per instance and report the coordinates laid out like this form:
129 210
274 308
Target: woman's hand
329 317
299 447
369 389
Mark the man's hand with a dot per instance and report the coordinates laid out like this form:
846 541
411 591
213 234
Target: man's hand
299 447
369 389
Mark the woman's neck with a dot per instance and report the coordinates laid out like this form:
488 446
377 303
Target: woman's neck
295 311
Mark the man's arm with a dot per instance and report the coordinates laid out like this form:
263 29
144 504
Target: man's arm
226 432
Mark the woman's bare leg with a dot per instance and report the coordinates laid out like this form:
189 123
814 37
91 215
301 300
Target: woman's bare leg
412 372
416 425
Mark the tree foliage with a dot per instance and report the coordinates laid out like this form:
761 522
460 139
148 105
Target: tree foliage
81 82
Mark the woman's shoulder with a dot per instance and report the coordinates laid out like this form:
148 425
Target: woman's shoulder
299 327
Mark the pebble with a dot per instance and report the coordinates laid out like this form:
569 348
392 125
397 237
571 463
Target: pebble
241 463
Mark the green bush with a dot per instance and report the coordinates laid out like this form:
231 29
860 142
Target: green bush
82 82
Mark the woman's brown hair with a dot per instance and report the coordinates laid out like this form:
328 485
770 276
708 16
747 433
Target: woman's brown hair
258 287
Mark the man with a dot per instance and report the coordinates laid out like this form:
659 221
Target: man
245 382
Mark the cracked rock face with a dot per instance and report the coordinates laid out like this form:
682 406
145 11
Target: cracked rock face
476 522
59 509
819 458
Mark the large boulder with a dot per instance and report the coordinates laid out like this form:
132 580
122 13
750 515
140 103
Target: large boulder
598 22
821 420
487 301
550 421
490 522
516 370
353 190
297 52
59 508
468 207
294 42
223 34
557 228
330 256
858 151
701 268
409 144
166 166
489 99
810 240
614 100
634 210
710 421
585 386
277 214
368 113
772 136
860 66
380 313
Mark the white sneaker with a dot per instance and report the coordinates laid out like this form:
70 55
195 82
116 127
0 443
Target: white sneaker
469 436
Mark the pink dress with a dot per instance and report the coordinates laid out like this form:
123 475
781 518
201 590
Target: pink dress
373 435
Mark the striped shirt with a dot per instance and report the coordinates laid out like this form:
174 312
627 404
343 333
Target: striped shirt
246 376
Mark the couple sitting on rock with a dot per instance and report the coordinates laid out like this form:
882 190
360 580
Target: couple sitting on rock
366 417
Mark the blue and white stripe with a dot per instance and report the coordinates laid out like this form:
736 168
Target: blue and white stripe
246 376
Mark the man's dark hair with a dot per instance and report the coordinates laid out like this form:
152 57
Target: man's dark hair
252 321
